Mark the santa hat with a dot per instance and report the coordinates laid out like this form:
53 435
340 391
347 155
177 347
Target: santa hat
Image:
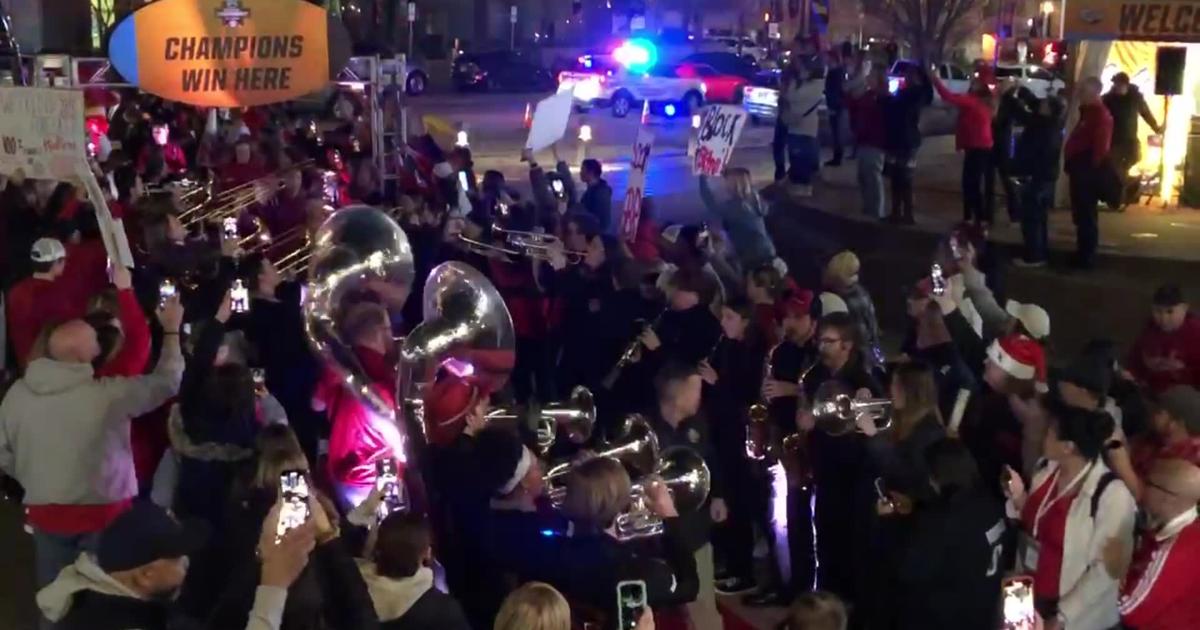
447 403
1019 357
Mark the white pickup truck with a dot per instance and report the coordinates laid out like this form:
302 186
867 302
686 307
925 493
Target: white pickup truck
624 91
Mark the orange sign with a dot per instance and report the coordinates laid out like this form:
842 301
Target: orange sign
229 53
1162 21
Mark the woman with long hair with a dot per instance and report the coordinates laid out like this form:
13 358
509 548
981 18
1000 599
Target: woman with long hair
899 452
534 606
741 214
1075 508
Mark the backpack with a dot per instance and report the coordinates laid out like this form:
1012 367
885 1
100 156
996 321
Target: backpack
1101 485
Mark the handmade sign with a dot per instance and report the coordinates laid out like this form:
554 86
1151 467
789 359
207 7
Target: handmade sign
720 128
636 189
41 132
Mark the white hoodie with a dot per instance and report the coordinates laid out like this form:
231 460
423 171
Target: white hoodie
393 598
85 575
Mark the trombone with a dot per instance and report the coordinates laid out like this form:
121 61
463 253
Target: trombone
538 245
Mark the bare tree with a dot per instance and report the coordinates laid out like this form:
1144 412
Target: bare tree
929 27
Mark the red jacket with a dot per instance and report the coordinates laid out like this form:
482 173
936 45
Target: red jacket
866 120
1093 133
1161 359
86 272
974 129
32 304
359 437
1159 592
525 301
131 359
173 155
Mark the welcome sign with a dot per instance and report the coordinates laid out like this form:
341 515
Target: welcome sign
1166 20
229 53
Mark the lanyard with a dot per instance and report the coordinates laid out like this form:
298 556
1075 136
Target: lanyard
1049 500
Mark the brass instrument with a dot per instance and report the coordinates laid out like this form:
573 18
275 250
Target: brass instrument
758 425
576 416
631 353
538 245
837 411
485 249
464 318
686 477
636 446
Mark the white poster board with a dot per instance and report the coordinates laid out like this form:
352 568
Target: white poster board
41 132
550 120
112 230
720 128
631 213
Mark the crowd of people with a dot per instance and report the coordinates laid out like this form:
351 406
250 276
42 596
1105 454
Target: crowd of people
184 458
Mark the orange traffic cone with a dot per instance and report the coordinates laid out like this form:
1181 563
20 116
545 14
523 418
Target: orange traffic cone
528 120
645 111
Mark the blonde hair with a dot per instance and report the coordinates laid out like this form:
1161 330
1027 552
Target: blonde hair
737 179
278 450
818 610
842 270
597 491
534 606
920 397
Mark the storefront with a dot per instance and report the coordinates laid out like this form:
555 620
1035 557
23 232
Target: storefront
1129 36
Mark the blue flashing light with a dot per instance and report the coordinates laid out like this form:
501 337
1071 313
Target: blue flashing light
638 55
669 110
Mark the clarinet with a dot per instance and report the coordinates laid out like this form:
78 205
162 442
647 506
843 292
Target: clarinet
630 353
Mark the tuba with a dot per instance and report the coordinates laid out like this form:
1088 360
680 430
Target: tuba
687 478
636 447
465 320
576 417
837 411
356 246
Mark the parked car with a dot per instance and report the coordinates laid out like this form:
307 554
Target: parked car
416 79
741 46
718 86
1037 79
760 99
503 70
726 63
954 77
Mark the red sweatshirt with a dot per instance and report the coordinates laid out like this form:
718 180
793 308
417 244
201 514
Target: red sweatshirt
866 120
1093 133
1162 359
173 155
974 129
33 303
1159 592
131 359
86 272
358 437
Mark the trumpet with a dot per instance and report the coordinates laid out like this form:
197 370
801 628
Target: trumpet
576 416
683 471
837 412
630 354
485 249
636 447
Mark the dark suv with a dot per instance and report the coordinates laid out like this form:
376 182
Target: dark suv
500 71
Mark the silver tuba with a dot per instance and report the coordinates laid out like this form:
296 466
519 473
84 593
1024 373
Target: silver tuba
357 246
836 410
636 446
687 478
465 321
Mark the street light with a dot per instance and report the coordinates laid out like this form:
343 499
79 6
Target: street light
1047 9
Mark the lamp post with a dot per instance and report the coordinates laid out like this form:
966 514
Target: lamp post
1047 10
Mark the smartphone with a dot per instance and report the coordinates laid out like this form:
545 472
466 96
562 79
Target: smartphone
259 376
229 227
293 492
631 602
557 185
1019 613
166 291
937 280
239 297
387 479
462 181
955 249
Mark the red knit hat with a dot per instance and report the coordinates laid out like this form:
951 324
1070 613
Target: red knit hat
1020 357
446 405
796 302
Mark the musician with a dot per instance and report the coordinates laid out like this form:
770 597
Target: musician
518 522
587 564
244 168
677 421
163 148
765 287
359 435
285 214
582 291
688 328
733 377
843 478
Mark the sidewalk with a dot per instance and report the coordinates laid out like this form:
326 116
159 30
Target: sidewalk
1140 232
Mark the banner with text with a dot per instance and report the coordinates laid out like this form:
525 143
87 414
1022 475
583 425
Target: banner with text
41 132
230 53
636 189
1161 21
720 128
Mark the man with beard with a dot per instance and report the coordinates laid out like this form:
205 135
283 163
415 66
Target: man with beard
130 582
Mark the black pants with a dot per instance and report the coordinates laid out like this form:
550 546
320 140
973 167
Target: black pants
779 148
747 503
900 170
1001 168
1084 199
835 133
975 174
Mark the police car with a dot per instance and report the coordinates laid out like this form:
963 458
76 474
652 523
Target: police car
630 77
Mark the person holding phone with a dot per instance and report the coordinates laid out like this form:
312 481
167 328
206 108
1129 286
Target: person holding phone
1075 507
